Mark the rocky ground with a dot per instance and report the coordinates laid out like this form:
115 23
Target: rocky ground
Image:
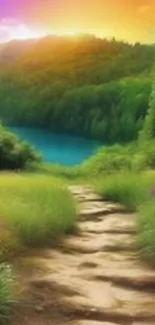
93 278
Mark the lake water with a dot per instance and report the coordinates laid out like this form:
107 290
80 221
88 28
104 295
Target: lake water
58 148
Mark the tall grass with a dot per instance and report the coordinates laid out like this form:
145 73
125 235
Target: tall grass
6 292
34 210
126 188
146 230
37 208
137 193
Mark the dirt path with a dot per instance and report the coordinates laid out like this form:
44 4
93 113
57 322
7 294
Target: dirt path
94 278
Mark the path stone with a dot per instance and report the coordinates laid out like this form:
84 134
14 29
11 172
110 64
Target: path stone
90 210
91 243
114 224
94 277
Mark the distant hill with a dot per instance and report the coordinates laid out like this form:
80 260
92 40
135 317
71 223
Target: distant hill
82 85
13 50
85 59
101 59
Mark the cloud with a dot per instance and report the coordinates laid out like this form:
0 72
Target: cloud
11 29
8 28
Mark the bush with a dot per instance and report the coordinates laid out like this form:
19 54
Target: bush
38 208
147 151
6 292
109 160
15 154
133 157
126 188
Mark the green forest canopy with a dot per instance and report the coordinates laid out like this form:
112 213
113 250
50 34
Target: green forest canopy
81 85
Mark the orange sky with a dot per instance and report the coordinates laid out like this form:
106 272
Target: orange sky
132 20
126 19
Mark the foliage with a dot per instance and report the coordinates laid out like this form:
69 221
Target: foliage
107 159
145 156
133 157
128 189
82 85
146 230
6 292
137 193
38 209
136 156
15 154
148 131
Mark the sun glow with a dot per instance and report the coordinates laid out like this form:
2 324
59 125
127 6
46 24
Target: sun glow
71 32
22 32
12 30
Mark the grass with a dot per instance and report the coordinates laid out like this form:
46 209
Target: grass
37 208
135 157
67 174
137 193
9 244
6 292
146 230
126 188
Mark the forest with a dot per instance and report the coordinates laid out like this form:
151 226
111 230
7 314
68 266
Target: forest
82 85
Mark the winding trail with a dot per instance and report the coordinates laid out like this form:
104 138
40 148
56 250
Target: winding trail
93 278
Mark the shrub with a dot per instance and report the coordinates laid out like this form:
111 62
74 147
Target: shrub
6 292
38 208
109 160
136 156
15 154
147 151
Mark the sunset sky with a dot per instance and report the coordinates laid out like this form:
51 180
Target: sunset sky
132 20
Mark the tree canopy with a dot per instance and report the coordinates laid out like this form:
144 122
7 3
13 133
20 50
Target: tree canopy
81 85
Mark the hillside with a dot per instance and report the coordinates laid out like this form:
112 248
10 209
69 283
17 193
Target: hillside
11 51
82 85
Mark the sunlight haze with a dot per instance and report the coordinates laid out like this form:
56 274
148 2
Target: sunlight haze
128 20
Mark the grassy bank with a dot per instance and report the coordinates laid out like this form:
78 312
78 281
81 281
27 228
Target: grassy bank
129 189
146 230
134 157
6 292
36 208
137 193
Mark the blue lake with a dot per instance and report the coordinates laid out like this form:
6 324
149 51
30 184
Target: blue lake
58 148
